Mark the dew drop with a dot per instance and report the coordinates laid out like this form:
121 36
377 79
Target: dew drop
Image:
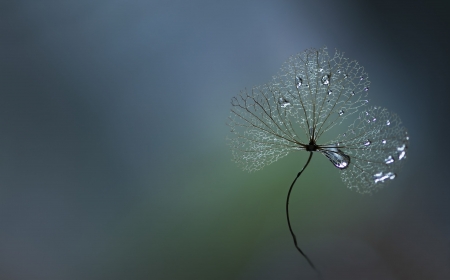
388 122
353 93
345 76
341 112
367 142
298 81
383 141
366 88
389 160
326 79
380 177
330 92
401 155
374 119
336 156
283 102
321 69
339 71
402 148
361 78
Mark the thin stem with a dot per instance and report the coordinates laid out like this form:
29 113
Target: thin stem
289 222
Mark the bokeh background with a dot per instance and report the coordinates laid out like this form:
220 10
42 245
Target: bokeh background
114 163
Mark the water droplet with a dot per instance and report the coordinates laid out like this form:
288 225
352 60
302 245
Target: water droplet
344 134
339 71
345 76
374 119
388 122
402 148
380 177
389 160
353 93
383 141
330 92
341 112
321 69
367 142
336 156
366 88
401 155
298 81
283 102
326 79
361 78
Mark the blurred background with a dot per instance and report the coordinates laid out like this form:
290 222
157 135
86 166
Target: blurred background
114 163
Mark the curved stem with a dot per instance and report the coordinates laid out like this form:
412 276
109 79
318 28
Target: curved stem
289 222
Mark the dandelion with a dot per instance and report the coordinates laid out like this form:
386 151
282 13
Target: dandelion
315 93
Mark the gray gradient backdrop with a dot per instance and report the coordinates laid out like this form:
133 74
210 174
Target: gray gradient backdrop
114 163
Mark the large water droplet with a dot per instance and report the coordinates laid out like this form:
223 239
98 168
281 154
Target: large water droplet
341 112
389 160
298 81
283 102
401 155
367 142
326 79
336 156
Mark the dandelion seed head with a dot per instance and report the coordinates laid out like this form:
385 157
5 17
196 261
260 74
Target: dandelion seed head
312 93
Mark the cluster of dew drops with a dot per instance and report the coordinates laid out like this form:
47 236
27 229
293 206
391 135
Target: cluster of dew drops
401 153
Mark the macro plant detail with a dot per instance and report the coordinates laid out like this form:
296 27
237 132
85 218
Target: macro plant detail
318 103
